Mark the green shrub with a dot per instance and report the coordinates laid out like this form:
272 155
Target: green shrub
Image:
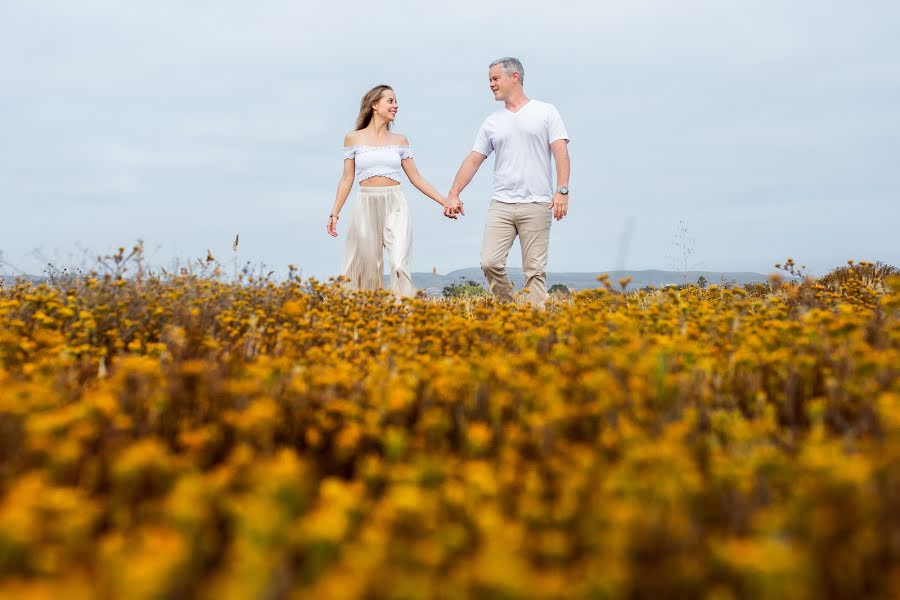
468 288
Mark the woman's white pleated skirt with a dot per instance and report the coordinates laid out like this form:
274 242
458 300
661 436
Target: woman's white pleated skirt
379 224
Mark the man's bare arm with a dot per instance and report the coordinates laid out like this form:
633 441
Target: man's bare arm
560 203
560 150
467 170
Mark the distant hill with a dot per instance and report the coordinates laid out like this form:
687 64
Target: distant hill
31 278
574 281
582 281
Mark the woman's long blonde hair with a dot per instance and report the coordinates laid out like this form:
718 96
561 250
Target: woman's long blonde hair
365 107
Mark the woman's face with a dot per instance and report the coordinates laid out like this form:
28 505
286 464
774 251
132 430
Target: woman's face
386 107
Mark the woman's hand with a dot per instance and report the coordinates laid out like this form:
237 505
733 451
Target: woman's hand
453 207
446 207
332 225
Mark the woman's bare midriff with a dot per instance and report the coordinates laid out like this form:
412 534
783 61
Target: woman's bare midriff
378 182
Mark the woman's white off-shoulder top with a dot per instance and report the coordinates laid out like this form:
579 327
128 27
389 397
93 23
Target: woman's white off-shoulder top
375 161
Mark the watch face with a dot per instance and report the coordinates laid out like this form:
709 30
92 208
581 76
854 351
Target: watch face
564 191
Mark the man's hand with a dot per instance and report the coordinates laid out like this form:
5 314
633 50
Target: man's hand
453 207
559 205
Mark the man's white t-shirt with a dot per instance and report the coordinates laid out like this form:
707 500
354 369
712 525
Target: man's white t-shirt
522 142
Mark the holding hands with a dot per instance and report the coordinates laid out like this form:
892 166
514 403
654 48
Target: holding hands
453 206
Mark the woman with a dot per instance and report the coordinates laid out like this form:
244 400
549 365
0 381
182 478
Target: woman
374 156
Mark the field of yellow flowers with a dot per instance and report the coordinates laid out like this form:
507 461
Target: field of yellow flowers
182 436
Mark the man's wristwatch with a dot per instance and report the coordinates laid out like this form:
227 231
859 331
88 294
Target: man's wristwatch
564 190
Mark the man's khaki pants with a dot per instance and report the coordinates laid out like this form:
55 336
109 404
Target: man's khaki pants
531 222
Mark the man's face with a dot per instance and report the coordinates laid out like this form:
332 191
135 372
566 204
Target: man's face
501 83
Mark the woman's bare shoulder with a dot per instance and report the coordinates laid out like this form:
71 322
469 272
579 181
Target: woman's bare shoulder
398 139
351 139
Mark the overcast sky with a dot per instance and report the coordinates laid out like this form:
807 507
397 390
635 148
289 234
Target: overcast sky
771 128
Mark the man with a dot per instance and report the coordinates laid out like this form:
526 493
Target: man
523 135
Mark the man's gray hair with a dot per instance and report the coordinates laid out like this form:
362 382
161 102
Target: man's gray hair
510 65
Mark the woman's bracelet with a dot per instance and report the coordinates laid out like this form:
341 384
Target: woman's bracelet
334 216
